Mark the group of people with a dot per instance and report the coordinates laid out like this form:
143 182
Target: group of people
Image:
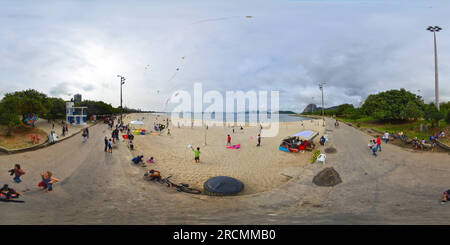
140 160
419 144
46 183
375 145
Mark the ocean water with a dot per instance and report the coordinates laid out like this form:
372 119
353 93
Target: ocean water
241 117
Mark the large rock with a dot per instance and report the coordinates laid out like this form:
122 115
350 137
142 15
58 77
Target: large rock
327 177
310 108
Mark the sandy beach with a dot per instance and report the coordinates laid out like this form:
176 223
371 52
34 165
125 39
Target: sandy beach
259 168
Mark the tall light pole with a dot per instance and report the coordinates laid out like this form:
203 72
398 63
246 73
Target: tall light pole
435 29
323 113
122 82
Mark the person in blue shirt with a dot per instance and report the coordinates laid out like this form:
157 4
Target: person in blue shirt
137 159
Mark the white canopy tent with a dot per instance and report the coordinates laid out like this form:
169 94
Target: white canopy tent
306 135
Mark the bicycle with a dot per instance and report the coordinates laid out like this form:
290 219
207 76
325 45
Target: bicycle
180 188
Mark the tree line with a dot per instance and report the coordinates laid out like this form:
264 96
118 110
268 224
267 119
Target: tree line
392 105
16 107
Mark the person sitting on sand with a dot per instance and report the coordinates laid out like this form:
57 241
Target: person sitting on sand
415 142
7 193
322 140
151 160
47 181
422 143
154 175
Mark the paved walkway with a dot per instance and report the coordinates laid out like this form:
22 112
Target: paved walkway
101 188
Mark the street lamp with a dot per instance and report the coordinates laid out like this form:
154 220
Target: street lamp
323 113
435 29
122 82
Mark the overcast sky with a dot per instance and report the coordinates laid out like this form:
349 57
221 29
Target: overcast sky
356 47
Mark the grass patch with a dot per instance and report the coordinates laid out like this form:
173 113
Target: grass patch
410 128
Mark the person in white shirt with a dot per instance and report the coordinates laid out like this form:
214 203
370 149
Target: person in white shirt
386 137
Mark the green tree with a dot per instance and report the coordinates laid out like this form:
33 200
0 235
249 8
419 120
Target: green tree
8 114
412 110
390 105
432 114
30 102
447 118
56 110
340 110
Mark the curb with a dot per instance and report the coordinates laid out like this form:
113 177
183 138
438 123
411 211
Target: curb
43 145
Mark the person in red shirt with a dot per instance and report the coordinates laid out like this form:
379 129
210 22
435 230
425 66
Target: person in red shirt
229 140
378 143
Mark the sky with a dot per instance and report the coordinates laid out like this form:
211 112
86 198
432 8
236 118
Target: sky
357 47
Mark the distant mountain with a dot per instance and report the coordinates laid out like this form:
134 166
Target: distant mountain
310 108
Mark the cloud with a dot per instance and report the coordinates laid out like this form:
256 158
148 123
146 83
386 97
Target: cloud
61 89
357 47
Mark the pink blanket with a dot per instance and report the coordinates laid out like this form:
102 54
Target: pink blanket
238 146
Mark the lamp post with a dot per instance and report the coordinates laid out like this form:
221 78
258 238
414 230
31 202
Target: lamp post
435 29
323 113
122 82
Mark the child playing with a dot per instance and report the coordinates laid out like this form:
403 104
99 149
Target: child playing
374 149
17 173
151 160
7 193
47 181
197 154
131 145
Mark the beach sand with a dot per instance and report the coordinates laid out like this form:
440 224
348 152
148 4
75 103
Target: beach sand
259 168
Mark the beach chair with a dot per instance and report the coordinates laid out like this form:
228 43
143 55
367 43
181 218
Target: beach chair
321 158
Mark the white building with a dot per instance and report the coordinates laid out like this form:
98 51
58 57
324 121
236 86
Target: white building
75 115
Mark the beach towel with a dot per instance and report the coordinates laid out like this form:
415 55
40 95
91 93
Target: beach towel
238 146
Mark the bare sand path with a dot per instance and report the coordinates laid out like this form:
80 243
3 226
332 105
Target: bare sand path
98 188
